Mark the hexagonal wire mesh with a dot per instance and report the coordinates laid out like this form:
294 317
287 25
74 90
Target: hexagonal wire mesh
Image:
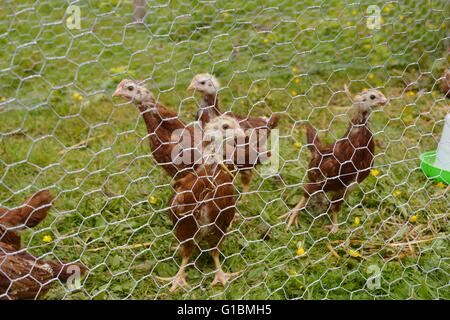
61 130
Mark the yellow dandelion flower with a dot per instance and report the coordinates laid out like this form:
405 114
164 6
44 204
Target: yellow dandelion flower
401 17
294 93
397 193
349 24
292 272
387 9
297 80
354 253
375 172
371 76
153 200
77 97
298 145
367 46
294 69
47 238
266 40
410 93
356 221
413 219
300 251
440 185
354 12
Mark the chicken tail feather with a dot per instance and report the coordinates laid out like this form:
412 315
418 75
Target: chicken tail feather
314 143
33 211
273 121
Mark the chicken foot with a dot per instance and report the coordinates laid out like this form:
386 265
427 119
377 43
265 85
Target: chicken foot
293 214
221 276
334 227
179 280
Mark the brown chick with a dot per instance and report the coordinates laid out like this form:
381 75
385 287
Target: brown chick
446 83
23 276
339 167
165 130
208 86
204 204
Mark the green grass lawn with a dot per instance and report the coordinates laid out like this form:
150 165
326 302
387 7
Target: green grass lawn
61 130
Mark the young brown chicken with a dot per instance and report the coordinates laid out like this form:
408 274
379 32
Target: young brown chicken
165 130
204 203
255 127
23 276
341 166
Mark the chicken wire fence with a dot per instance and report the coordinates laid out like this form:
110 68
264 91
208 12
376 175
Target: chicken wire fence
61 130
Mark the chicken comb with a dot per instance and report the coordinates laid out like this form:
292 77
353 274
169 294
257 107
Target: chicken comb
123 82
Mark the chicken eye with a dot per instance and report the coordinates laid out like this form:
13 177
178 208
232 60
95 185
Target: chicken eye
372 97
202 83
130 88
225 126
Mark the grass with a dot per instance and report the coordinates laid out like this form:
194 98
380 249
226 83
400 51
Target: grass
292 58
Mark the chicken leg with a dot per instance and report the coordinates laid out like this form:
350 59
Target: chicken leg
334 227
221 276
335 207
179 280
246 178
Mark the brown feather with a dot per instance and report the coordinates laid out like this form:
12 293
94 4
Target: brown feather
314 144
23 276
203 207
254 125
335 167
161 124
33 211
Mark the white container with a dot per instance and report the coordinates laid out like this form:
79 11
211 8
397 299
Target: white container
443 150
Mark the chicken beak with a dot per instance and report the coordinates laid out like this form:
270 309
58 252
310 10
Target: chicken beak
191 86
116 93
384 102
